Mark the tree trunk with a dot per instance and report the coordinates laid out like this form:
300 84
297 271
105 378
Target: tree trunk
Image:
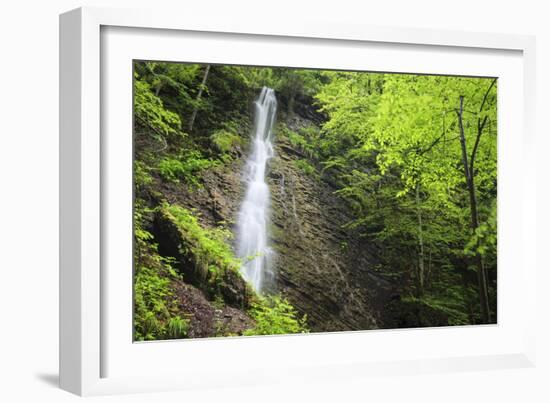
157 89
420 244
290 106
468 173
197 100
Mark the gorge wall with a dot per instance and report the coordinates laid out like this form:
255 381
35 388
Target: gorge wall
324 270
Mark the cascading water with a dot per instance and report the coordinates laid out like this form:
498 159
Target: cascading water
252 228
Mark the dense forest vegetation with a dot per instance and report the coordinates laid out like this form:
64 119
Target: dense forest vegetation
406 163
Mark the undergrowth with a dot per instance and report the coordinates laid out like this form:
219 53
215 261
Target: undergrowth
185 167
275 315
209 248
155 305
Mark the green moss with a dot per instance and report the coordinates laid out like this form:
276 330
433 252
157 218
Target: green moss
276 231
211 253
225 141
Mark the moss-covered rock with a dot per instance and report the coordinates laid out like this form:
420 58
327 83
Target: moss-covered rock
201 255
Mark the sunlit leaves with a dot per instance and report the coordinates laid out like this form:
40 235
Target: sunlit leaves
149 110
395 149
275 315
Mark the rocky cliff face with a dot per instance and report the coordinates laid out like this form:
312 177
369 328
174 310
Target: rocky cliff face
324 270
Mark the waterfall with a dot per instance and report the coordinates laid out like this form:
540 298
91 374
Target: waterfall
252 227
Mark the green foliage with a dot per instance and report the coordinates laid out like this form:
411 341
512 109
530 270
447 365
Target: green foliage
169 77
392 145
225 141
275 315
142 176
451 304
389 145
218 302
209 248
149 111
292 82
484 238
155 304
151 310
176 84
306 168
185 167
306 140
350 100
177 328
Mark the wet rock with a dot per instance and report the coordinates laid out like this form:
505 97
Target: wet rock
234 289
173 243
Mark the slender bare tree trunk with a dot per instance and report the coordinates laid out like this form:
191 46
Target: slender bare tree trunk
468 173
199 96
157 90
421 271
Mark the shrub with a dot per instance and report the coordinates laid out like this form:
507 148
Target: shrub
275 315
154 300
306 140
149 110
142 177
186 167
155 303
150 292
177 327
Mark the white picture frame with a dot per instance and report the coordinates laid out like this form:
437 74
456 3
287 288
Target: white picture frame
96 354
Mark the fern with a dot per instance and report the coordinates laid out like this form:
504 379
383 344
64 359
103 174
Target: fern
275 315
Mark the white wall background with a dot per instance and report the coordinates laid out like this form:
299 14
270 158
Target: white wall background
29 201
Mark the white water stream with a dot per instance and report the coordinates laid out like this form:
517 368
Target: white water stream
252 227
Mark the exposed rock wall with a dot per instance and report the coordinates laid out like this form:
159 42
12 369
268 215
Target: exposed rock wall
324 270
